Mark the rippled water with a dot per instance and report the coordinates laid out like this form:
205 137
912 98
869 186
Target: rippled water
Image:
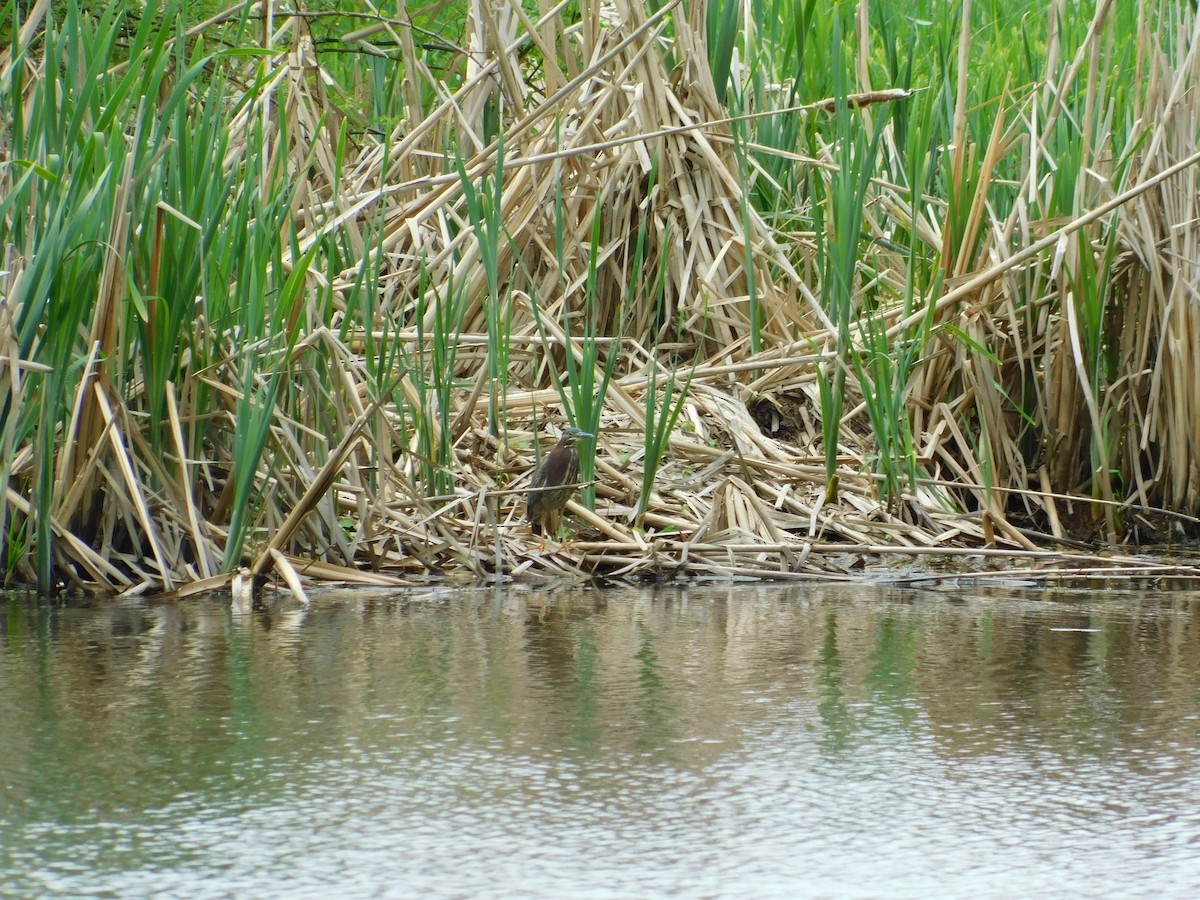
718 742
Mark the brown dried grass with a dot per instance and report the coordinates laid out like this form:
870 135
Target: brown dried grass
742 490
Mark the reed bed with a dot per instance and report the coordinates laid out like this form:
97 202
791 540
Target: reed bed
275 311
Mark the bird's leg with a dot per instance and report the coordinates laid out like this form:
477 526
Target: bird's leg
541 528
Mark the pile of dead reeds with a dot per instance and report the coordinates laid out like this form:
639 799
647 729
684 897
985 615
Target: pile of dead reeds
309 350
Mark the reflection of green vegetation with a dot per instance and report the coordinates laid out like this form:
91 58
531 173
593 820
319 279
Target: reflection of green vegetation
985 638
121 710
502 667
430 660
245 709
653 699
587 726
890 678
832 707
15 626
1097 717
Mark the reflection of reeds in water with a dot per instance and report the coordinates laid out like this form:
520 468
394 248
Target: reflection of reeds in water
240 325
692 673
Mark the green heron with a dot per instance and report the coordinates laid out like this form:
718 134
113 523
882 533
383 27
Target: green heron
554 483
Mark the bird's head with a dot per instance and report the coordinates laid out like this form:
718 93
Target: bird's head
571 435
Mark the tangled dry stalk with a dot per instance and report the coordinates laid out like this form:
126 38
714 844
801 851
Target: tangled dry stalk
625 231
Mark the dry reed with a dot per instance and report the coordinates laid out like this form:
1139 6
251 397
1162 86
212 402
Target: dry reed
618 163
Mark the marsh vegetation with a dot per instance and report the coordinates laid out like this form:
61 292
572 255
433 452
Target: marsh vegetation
308 293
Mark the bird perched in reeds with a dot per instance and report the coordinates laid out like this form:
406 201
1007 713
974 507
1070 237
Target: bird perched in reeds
554 483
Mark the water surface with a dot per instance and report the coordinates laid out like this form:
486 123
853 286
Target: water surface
737 741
